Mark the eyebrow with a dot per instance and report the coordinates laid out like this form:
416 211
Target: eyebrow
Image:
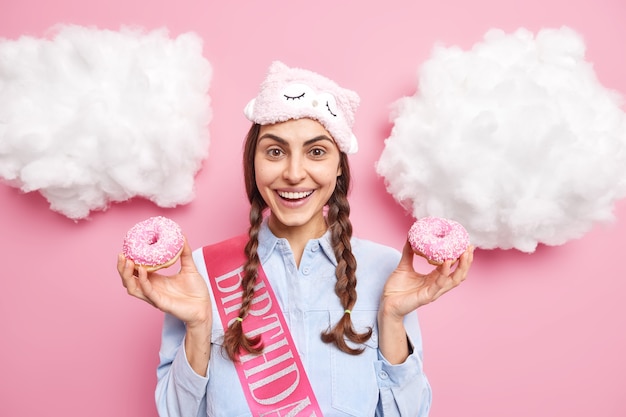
285 142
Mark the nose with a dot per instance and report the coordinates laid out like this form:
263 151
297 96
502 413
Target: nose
295 170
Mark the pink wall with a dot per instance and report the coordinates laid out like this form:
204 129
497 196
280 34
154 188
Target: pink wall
525 335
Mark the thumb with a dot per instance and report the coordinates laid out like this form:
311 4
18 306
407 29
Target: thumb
186 256
406 261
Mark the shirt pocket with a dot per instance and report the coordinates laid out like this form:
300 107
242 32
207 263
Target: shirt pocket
353 385
225 396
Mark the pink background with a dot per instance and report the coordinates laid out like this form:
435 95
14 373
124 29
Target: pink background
525 335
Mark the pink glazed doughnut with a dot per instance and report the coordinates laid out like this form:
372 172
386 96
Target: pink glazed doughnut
438 239
154 243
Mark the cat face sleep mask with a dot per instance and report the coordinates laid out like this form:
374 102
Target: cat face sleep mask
294 93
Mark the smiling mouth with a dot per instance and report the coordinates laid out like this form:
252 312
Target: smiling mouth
293 195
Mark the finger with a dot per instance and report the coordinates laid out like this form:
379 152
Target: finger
126 269
145 287
121 263
444 268
465 261
130 280
448 280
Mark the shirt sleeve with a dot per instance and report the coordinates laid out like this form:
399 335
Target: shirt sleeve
404 388
180 391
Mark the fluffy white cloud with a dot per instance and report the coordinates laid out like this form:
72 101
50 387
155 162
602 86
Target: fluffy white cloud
89 117
515 138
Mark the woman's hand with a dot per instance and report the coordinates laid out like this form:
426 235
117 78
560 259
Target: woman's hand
184 295
406 289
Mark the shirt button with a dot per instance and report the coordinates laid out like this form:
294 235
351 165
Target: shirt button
306 270
383 375
315 247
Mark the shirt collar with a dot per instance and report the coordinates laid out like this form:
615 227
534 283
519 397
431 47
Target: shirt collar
268 243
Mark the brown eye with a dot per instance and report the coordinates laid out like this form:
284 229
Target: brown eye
318 152
274 152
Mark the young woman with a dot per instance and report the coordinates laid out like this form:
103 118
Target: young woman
343 337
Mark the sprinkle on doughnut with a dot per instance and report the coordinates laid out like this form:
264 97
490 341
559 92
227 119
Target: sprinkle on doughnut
438 239
153 243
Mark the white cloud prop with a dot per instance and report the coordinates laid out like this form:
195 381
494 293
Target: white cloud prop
92 116
515 138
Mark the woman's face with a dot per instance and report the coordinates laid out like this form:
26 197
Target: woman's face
296 169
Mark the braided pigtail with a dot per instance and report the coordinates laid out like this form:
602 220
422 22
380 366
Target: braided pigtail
345 288
234 338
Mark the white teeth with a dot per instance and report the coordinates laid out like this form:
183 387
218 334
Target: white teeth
294 196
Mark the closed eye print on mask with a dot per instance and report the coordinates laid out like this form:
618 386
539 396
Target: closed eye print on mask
297 92
301 95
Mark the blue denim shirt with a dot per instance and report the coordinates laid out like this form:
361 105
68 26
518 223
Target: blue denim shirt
345 385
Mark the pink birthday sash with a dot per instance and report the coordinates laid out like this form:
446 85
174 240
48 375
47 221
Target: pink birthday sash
274 382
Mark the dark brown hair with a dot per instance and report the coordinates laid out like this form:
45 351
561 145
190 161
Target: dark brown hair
340 232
